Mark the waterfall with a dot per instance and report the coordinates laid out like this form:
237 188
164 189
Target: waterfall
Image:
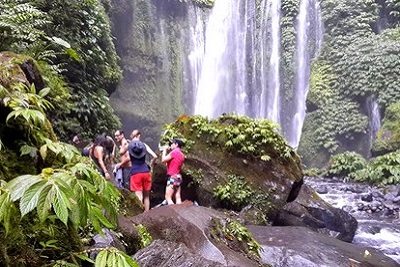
222 81
224 85
235 60
303 59
374 118
197 44
269 49
273 106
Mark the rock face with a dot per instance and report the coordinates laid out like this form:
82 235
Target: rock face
233 146
299 246
23 69
311 211
210 162
183 236
185 231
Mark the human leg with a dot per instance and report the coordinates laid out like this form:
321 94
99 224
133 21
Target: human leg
146 190
136 185
146 200
178 199
169 191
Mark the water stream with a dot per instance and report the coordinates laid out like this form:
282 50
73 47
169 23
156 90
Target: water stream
377 211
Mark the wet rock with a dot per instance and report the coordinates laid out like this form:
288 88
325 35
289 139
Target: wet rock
367 198
309 210
185 229
321 190
299 246
162 253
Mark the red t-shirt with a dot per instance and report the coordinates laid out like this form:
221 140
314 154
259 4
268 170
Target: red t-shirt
175 164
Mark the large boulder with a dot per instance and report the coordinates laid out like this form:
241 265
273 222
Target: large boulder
185 230
311 211
186 235
221 150
300 246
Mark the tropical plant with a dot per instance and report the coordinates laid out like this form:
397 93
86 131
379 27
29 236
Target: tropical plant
241 134
382 170
236 236
345 164
144 236
235 194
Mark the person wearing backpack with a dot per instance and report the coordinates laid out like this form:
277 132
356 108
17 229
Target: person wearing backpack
140 181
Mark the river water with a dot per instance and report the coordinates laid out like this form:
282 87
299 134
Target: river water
377 210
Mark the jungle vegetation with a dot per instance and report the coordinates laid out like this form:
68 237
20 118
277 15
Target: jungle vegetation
358 65
71 44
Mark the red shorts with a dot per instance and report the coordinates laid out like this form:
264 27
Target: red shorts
141 182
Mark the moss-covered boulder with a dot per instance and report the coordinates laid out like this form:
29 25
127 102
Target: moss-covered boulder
234 162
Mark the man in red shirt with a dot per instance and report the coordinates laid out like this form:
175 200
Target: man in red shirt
174 160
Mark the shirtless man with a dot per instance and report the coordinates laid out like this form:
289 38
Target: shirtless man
124 160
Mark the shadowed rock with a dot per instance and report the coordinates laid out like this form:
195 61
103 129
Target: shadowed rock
311 211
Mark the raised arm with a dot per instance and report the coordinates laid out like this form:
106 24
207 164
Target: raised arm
152 153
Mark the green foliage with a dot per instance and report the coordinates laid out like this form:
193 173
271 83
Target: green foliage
241 134
312 172
79 47
114 257
75 194
20 25
106 257
345 164
236 236
355 64
388 138
382 170
235 194
144 236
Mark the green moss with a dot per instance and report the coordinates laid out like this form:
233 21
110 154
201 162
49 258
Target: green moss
236 236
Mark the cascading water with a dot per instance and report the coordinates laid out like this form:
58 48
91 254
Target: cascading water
374 118
196 55
222 81
376 209
270 78
303 58
241 66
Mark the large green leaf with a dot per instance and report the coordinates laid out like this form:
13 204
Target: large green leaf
6 208
19 185
44 202
60 205
31 197
101 259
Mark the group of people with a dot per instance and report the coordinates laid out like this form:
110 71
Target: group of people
132 167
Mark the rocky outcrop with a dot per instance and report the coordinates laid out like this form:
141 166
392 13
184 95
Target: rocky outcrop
234 146
188 228
311 211
278 182
299 246
184 235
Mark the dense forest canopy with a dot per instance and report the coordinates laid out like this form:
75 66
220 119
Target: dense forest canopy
59 65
